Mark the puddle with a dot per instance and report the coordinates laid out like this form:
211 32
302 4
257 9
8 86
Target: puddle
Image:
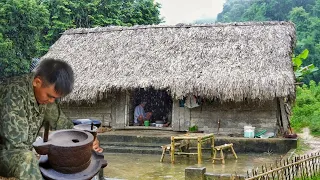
138 166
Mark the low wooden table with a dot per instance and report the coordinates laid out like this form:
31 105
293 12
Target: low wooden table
199 137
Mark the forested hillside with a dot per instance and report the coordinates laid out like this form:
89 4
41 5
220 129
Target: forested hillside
29 27
304 13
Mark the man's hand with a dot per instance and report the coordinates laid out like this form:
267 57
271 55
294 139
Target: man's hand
96 146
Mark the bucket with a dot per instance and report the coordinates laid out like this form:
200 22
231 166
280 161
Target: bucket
249 131
146 123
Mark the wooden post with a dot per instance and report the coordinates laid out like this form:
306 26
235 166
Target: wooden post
212 145
222 156
214 156
46 131
199 151
164 149
234 153
284 115
172 149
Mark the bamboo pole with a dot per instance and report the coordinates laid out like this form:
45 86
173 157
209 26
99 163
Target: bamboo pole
195 137
273 177
315 163
288 177
284 171
266 169
199 151
212 145
306 169
292 169
172 149
262 170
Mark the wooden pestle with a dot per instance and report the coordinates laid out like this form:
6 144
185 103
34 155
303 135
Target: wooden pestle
46 131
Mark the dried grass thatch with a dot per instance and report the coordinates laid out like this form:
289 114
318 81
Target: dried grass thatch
234 61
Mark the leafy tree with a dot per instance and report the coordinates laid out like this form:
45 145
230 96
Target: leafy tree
233 10
60 19
316 9
301 19
256 12
306 110
146 12
66 14
29 27
311 41
278 10
21 23
252 10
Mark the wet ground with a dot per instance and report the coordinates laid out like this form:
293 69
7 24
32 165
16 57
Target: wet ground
138 166
312 142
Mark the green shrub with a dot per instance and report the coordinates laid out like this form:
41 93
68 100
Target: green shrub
306 111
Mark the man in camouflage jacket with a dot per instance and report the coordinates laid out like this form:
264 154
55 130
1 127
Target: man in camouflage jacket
26 102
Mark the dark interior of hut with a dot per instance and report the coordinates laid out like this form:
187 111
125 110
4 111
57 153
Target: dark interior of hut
159 102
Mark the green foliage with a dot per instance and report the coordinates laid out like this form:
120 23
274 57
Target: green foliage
306 111
193 128
314 177
256 10
66 14
29 27
21 23
301 18
60 19
302 146
299 70
233 11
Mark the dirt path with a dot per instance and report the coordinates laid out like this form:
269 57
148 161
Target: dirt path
312 142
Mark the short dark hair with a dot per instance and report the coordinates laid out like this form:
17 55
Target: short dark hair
57 72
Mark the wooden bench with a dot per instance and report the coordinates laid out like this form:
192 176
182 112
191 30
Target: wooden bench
167 147
221 148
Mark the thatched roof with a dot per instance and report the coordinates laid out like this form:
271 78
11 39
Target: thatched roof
234 61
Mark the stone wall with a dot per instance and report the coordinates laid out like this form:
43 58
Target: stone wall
112 111
115 112
99 111
234 116
199 173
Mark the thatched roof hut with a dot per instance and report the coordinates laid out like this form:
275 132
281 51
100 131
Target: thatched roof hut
234 61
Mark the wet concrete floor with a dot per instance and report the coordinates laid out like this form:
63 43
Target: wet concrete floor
145 166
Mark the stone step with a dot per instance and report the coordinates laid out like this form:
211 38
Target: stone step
141 148
131 144
136 139
133 150
240 144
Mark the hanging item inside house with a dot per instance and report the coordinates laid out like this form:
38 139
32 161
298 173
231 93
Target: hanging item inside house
191 101
181 102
